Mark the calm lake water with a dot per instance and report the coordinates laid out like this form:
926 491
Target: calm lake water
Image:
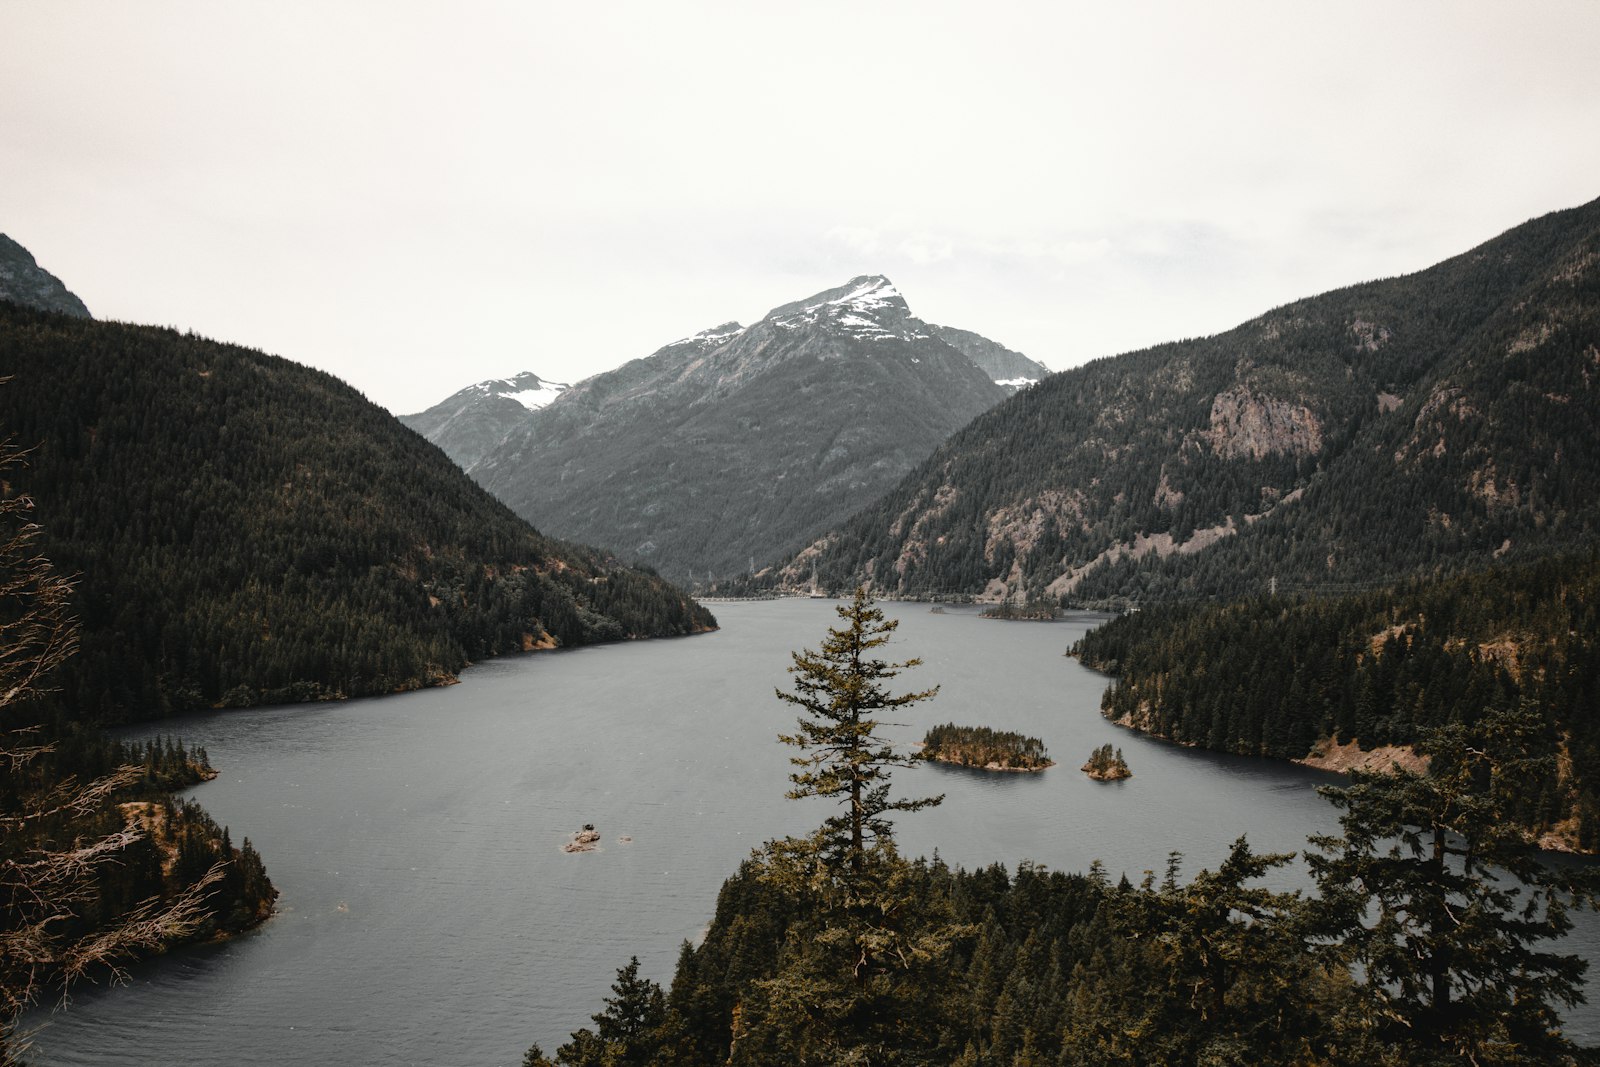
429 915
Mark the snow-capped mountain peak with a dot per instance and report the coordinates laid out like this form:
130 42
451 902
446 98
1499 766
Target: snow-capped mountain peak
472 421
527 389
870 307
872 293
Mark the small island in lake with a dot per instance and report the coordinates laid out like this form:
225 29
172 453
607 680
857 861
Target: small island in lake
1032 611
1106 765
984 748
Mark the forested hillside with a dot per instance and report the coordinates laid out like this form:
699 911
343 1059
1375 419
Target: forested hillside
1278 676
98 862
244 529
1421 423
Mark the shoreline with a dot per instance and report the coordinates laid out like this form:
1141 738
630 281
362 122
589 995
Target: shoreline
992 767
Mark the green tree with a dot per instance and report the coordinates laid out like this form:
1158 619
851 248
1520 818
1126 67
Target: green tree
1215 973
858 976
1442 902
861 977
841 690
628 1033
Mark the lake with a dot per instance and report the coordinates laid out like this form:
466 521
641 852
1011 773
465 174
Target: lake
429 915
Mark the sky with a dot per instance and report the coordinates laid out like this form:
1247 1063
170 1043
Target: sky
417 196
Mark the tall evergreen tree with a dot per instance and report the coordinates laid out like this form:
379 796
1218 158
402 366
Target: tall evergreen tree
1442 902
856 979
841 690
627 1033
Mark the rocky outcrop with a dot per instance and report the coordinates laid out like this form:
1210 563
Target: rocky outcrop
1329 755
585 840
1106 765
1247 424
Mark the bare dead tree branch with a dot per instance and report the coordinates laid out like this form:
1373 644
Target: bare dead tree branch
52 840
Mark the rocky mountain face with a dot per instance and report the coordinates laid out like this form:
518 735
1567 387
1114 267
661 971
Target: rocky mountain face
1010 369
1414 425
739 444
23 281
471 423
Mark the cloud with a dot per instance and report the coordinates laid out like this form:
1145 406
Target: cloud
569 188
924 249
861 240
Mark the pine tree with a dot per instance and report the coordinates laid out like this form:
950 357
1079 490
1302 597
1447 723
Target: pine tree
626 1034
1224 966
857 981
1442 902
840 689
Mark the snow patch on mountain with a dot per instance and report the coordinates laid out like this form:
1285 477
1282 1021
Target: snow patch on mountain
534 399
527 389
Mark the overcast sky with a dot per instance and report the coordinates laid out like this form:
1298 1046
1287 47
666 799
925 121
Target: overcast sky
416 196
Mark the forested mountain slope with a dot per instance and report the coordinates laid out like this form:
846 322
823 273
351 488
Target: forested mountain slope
1420 423
1280 676
742 443
246 529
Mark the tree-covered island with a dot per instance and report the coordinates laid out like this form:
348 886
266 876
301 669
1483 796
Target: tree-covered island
1032 611
1107 765
985 748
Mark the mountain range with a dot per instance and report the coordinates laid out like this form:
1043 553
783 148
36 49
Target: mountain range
730 448
1403 427
1397 429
